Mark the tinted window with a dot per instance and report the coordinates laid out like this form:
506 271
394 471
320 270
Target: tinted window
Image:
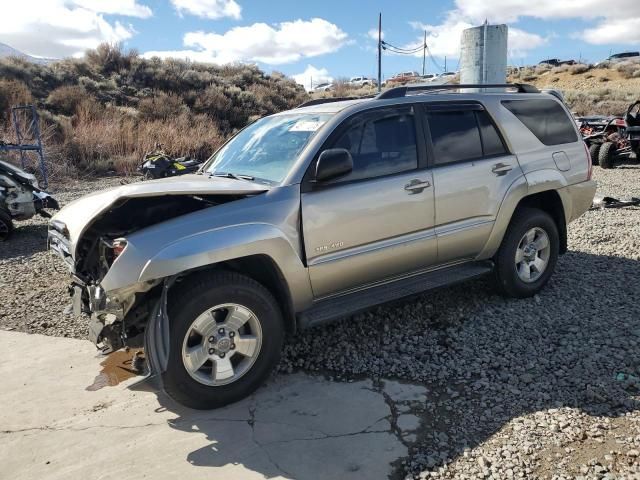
491 141
546 119
380 144
455 136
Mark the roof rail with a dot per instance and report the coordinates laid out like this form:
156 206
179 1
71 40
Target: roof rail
319 101
403 91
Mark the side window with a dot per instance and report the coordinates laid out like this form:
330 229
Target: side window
381 143
545 118
455 136
491 141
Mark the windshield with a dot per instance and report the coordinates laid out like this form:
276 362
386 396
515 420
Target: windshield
266 149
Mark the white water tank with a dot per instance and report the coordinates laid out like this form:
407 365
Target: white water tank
483 54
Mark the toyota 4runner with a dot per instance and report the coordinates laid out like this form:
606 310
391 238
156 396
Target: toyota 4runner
316 213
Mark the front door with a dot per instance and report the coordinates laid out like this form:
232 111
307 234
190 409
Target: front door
376 222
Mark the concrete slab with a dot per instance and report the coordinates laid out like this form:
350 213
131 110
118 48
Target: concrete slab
296 426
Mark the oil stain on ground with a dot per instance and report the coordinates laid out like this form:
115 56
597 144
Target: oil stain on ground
118 367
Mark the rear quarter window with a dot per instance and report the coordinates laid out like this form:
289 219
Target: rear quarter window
545 118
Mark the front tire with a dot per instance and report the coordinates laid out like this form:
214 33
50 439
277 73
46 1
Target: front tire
594 149
528 254
6 225
607 154
226 334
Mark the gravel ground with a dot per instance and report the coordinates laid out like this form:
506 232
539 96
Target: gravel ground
546 387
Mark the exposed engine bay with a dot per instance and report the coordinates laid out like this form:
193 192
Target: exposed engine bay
20 198
121 318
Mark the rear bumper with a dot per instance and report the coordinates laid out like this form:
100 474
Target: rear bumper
581 195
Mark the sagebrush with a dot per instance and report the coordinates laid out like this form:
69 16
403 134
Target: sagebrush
103 111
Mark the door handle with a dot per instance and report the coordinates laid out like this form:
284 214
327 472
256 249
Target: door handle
501 169
416 186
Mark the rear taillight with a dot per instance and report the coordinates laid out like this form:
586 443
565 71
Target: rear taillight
589 163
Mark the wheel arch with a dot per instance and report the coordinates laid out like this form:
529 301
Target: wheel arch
554 200
264 270
259 267
550 202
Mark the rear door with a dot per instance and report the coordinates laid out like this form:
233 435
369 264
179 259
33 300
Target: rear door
377 222
472 171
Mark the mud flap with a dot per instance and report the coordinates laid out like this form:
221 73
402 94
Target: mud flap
156 343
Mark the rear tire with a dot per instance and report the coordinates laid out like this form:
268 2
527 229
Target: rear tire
6 225
607 154
520 257
594 150
218 295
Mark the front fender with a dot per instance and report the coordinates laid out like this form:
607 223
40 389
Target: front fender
229 243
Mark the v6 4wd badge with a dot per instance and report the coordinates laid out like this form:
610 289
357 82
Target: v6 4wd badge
326 248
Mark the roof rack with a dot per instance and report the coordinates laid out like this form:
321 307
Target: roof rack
403 91
319 101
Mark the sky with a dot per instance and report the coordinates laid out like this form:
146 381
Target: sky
322 40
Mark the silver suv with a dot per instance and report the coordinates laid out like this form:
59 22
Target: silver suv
319 212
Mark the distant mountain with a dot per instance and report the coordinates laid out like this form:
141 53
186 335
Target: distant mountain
7 51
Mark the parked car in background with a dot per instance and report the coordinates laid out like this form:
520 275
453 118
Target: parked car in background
323 87
553 62
317 213
624 56
362 82
403 78
446 76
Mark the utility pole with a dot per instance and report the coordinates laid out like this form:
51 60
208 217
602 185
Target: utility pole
445 63
424 51
379 52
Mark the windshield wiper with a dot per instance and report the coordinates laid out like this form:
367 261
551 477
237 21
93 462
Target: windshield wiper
236 176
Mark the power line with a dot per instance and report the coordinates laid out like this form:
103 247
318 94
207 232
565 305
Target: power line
433 60
400 50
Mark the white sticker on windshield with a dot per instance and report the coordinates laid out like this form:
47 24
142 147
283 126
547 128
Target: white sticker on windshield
306 126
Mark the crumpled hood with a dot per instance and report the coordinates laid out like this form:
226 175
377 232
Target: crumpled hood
78 214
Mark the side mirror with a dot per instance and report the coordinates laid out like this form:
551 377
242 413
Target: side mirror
333 163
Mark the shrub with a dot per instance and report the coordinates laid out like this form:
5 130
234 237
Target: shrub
161 106
577 69
65 100
626 69
103 110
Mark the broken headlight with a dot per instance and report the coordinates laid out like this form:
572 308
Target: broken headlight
112 249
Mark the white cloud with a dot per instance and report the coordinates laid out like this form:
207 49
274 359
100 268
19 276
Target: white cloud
616 22
312 76
285 42
520 41
60 28
212 9
129 8
615 30
512 10
373 34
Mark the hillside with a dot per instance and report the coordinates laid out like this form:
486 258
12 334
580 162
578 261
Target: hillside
589 90
104 111
8 51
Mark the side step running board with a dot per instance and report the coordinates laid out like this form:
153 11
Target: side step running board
348 304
